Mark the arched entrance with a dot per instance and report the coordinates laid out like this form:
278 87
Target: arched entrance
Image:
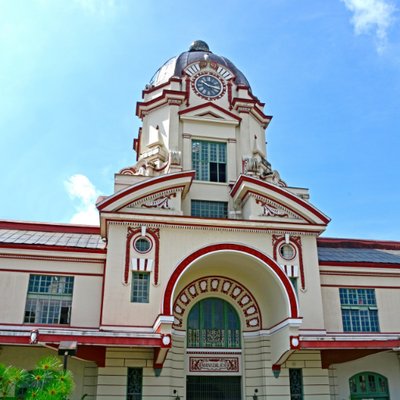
213 323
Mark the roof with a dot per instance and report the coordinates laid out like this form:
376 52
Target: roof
359 251
175 65
56 235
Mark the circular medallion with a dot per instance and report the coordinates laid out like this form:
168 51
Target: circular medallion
142 245
287 251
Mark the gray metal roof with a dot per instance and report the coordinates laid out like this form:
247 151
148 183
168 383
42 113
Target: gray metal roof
342 254
175 65
81 240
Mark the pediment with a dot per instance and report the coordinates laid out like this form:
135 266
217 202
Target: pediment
162 194
211 112
265 201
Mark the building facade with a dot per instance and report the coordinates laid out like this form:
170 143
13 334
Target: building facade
208 277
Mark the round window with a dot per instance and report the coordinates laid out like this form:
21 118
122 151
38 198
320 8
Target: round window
287 251
142 245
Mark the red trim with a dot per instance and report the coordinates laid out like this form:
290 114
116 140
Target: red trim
269 226
349 344
154 88
102 293
49 227
47 272
167 303
282 192
51 247
177 187
296 243
24 256
358 264
360 286
154 233
142 185
87 339
162 99
351 273
209 104
358 243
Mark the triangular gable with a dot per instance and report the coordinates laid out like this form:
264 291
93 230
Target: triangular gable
148 191
209 111
278 203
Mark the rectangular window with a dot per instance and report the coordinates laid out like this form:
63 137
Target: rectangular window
210 209
359 310
209 161
135 384
49 299
296 383
140 287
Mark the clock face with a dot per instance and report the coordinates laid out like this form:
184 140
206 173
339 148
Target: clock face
208 86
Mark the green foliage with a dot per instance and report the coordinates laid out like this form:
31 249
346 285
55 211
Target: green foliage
47 381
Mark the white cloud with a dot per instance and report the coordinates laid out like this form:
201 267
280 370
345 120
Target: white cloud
81 189
372 17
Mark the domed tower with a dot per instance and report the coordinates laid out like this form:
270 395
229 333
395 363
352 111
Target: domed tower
199 113
205 242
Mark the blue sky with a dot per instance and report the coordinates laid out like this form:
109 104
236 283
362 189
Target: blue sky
72 71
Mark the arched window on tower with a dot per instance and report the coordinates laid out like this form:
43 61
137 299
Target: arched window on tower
213 323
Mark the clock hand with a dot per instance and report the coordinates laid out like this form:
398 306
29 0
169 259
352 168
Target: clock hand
211 86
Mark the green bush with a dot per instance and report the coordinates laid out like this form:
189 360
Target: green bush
47 381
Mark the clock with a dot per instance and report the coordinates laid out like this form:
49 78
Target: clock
209 86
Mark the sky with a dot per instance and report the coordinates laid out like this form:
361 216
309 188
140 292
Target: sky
72 71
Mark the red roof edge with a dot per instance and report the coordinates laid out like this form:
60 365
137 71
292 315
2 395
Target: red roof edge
49 227
358 243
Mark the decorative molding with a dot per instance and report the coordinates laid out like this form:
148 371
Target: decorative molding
157 200
130 236
277 240
223 286
215 364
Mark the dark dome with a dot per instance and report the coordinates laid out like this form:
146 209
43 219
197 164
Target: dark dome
198 51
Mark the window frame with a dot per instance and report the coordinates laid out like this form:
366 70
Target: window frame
209 163
296 388
49 299
359 310
209 209
135 394
211 322
140 293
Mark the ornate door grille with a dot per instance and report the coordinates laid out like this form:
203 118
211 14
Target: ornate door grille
213 388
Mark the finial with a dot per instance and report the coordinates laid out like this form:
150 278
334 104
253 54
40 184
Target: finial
199 45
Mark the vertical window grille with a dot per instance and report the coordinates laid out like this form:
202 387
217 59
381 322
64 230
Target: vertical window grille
135 384
209 209
359 310
296 383
209 161
213 323
49 299
140 287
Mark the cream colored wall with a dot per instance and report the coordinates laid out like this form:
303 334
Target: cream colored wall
84 372
385 363
177 244
112 379
387 299
86 298
315 379
310 299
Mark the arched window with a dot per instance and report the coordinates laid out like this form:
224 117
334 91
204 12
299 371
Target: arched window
213 323
369 385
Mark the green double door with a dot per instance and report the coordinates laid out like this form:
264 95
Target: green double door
213 388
